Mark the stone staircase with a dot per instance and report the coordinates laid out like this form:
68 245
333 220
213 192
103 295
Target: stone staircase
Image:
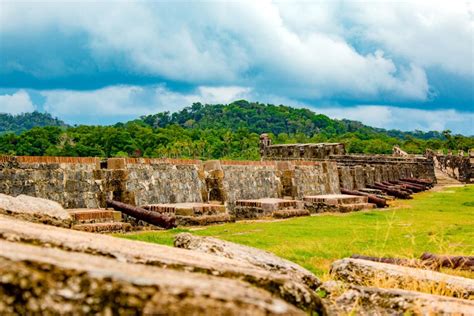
443 179
336 203
98 221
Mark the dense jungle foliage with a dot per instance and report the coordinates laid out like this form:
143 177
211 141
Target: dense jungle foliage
216 131
26 121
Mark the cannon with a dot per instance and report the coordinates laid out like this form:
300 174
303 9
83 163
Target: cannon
151 217
371 198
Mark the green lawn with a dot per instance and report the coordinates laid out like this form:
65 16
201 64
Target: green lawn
440 222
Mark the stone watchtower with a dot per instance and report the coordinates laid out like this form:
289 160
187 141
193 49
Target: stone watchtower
265 141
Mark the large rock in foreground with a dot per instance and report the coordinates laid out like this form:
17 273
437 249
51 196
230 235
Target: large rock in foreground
129 251
375 301
370 273
256 257
52 281
34 209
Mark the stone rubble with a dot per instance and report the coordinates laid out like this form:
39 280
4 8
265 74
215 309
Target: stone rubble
281 285
253 256
366 273
52 281
35 210
379 301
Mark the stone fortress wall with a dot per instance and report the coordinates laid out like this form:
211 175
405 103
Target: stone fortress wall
359 171
88 182
286 171
459 167
355 171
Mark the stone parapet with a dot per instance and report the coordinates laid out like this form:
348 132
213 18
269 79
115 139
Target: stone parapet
460 168
88 182
298 151
357 171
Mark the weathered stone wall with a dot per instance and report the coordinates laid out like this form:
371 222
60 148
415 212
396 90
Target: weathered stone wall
358 171
250 182
320 178
298 151
88 182
277 179
457 167
70 181
301 151
354 171
163 182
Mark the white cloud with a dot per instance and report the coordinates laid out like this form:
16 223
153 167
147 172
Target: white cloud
428 33
390 117
132 101
18 102
305 49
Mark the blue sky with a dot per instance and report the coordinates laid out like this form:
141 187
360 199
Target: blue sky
394 64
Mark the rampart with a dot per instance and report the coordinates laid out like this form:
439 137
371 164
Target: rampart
359 171
88 182
298 151
355 171
456 166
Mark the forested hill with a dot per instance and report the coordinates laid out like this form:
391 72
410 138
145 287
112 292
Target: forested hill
215 132
26 121
267 118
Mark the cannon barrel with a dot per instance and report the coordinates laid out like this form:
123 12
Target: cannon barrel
372 198
424 182
390 191
453 262
153 218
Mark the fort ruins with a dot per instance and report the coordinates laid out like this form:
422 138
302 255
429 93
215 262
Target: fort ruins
59 270
290 180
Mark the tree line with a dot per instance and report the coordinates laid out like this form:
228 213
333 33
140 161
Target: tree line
219 132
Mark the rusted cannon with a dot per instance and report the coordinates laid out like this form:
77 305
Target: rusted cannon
394 187
453 262
427 261
404 186
425 182
422 184
153 218
412 186
420 187
400 187
390 191
372 198
414 263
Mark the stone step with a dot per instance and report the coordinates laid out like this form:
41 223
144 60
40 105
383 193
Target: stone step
203 220
87 216
290 213
255 208
187 209
335 199
110 227
270 204
345 208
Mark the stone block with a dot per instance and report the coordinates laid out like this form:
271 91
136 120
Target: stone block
116 163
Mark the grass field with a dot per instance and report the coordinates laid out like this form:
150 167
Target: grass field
440 222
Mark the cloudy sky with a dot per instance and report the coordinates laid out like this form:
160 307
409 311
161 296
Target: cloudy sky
394 64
